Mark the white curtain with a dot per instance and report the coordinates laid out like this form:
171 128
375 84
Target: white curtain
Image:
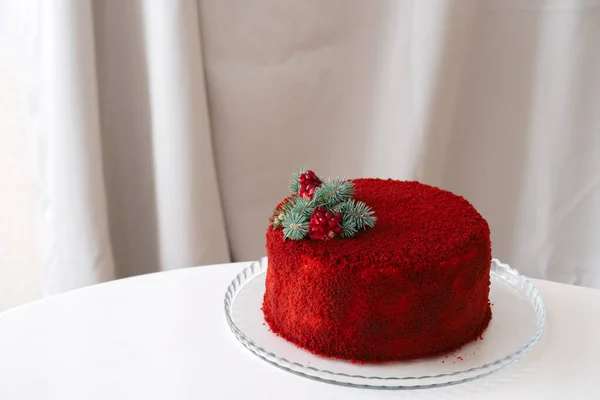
166 130
127 174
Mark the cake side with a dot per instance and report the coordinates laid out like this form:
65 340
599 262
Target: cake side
416 285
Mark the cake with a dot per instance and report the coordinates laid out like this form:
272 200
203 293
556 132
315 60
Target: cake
410 281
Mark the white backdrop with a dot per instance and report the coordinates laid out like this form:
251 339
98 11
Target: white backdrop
167 130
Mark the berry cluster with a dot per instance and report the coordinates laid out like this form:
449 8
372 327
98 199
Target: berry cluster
324 224
308 182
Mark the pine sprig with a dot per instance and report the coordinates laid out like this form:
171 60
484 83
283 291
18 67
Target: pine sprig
280 212
295 226
302 206
360 213
294 185
277 218
329 194
348 226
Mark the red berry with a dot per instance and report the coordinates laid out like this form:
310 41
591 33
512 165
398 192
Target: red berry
324 224
308 183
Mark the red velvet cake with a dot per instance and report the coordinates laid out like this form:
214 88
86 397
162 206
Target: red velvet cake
415 285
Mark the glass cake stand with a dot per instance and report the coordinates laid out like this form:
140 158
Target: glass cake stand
518 316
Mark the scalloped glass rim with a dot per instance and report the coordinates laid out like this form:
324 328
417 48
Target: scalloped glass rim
500 273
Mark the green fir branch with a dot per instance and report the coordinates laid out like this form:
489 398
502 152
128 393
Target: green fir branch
295 226
344 206
348 226
294 185
280 212
331 193
302 206
277 219
361 214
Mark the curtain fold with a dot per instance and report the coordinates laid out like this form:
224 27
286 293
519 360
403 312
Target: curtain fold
72 191
127 177
190 221
167 129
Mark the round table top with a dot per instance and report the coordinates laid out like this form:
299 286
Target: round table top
164 336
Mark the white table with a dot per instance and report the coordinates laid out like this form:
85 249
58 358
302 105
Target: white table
164 336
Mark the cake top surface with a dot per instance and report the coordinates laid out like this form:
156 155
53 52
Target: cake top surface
416 224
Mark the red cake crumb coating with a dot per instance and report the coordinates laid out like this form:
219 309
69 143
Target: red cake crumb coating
414 286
